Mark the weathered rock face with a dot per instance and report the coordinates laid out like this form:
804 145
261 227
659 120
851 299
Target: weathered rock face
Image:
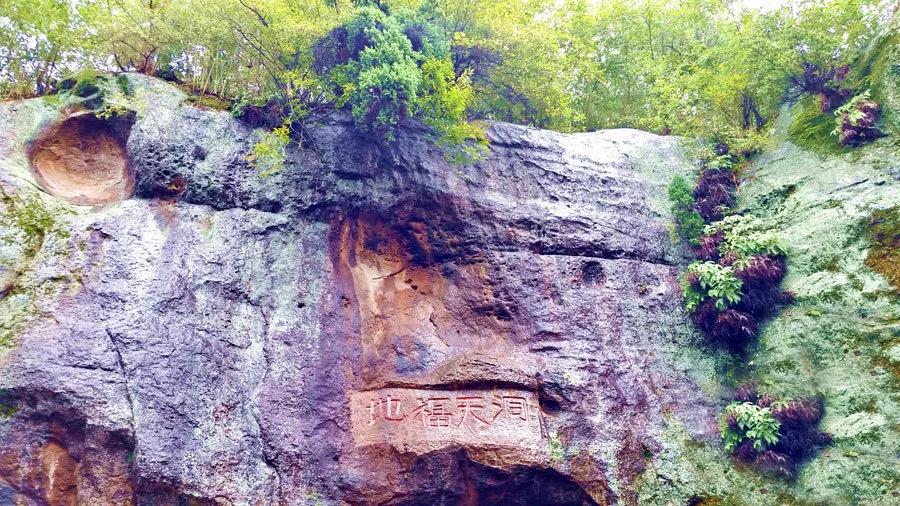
369 326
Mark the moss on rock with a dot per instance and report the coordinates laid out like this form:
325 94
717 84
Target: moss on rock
880 71
811 128
31 231
884 255
839 222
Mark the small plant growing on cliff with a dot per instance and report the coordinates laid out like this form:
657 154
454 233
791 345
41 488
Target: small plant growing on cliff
745 236
747 422
110 111
856 120
714 193
774 435
737 280
688 222
713 281
268 155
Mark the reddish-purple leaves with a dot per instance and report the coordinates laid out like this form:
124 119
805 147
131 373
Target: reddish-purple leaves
799 437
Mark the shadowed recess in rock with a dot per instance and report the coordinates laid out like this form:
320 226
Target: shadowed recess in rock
447 478
83 160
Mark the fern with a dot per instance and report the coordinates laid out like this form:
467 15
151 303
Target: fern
852 110
746 237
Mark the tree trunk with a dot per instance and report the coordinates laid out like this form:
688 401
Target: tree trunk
750 112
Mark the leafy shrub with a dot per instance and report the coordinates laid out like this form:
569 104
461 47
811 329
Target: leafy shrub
746 421
442 106
385 68
763 301
723 160
709 280
708 246
733 329
800 436
373 68
729 328
760 270
745 236
688 221
857 119
774 435
737 281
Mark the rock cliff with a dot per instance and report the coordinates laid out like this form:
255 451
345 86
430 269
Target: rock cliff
374 325
371 325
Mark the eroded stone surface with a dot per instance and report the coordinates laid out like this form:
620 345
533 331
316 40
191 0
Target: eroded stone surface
82 159
222 326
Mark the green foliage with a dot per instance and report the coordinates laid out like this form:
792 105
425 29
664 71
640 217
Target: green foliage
556 450
698 68
749 423
390 67
716 282
746 236
381 84
856 121
268 154
38 41
851 109
688 222
7 411
443 105
723 162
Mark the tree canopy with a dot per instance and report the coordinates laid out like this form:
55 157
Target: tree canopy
694 67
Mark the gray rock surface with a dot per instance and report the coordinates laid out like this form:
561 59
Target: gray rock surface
200 339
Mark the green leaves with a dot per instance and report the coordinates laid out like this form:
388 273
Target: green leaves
747 421
268 155
442 106
746 236
688 221
716 282
398 66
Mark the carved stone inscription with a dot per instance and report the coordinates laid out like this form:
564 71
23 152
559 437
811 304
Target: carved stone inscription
425 419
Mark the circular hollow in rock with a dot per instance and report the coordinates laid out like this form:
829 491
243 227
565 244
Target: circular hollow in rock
83 160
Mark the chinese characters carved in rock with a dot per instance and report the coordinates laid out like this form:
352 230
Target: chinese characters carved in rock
426 419
444 410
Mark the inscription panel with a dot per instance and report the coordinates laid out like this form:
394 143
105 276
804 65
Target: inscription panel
421 420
